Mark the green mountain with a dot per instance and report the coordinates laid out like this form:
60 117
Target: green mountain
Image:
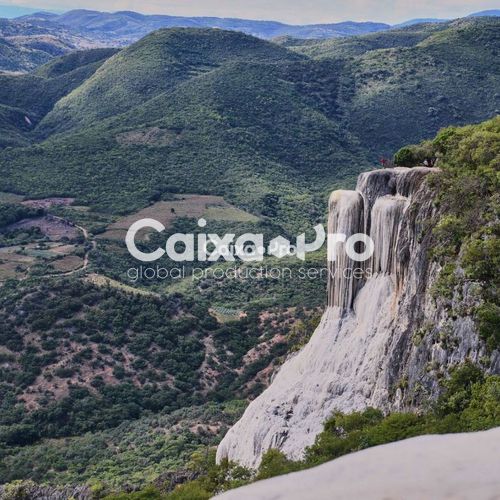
10 11
25 99
450 77
249 119
399 37
154 65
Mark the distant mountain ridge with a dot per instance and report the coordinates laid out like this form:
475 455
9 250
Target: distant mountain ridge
31 40
126 27
486 13
420 20
27 44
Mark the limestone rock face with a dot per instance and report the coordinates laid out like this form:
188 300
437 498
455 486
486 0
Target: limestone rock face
380 341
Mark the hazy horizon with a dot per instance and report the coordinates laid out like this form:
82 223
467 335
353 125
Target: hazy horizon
291 11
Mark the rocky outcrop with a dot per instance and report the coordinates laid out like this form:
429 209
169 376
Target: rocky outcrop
28 490
383 340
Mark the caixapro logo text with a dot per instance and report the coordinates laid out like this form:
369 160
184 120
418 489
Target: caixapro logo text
248 247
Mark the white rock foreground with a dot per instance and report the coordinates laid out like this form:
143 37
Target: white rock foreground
451 466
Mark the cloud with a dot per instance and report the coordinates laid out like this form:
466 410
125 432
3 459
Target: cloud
292 11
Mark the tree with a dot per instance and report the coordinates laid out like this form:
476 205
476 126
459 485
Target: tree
420 154
404 157
275 463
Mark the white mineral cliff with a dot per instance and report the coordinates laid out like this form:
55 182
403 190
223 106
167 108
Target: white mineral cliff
362 353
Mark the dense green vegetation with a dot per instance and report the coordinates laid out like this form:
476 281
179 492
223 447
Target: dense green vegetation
467 234
403 85
470 402
134 453
102 358
248 119
10 213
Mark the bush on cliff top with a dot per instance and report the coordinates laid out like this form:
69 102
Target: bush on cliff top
467 242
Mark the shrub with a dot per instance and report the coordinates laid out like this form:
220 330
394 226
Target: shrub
404 157
275 463
421 154
489 324
189 491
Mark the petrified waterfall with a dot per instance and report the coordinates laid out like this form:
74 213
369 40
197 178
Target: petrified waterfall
346 216
363 347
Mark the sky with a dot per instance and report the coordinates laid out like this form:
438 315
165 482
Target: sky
289 11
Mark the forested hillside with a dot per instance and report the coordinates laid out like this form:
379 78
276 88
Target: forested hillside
26 99
258 119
